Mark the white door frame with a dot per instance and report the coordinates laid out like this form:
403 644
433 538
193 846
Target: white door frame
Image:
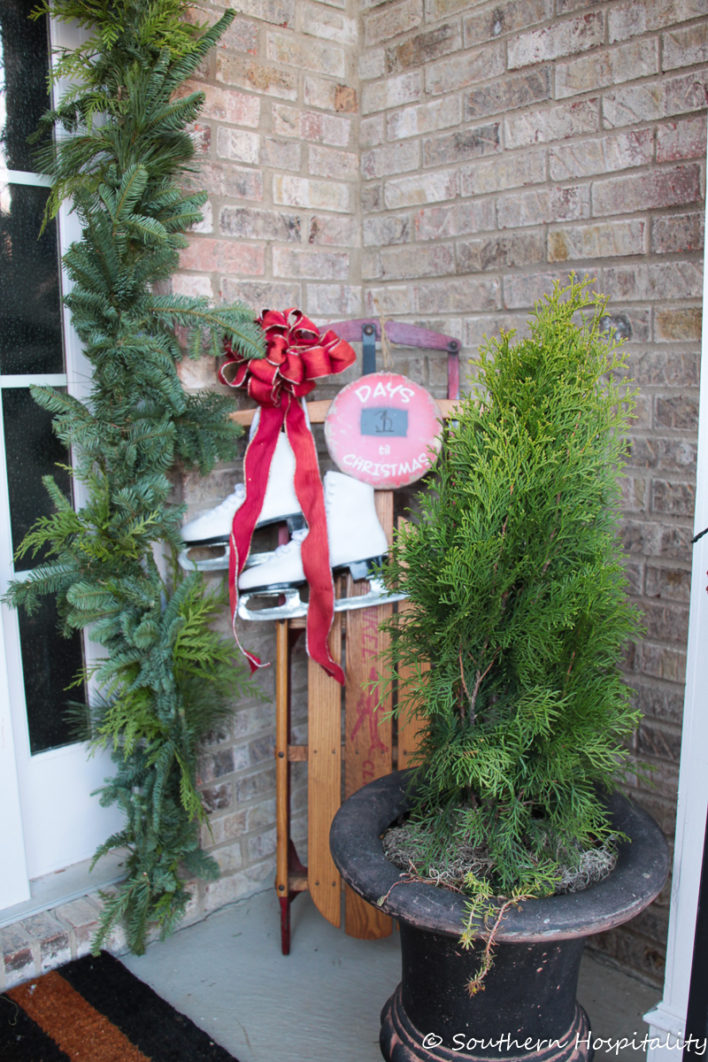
667 1021
31 849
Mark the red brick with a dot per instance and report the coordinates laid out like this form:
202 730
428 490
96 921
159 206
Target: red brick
535 206
605 154
676 411
635 17
661 742
652 100
456 219
421 189
505 18
390 299
508 93
239 145
566 37
279 12
333 230
674 186
606 239
462 145
311 126
503 172
262 293
247 73
281 154
664 455
423 118
609 67
654 368
316 20
681 140
671 584
312 264
334 300
258 224
391 92
226 105
423 48
228 180
399 157
655 280
386 230
500 252
662 662
431 260
457 295
287 48
205 255
678 324
685 46
332 162
241 36
315 194
523 291
671 498
467 68
382 24
553 122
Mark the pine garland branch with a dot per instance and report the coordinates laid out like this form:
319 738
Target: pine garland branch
167 676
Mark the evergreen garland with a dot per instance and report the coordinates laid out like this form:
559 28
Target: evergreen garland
509 653
166 677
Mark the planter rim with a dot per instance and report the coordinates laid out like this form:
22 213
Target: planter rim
355 842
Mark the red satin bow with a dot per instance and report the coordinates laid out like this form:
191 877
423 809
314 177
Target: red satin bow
296 355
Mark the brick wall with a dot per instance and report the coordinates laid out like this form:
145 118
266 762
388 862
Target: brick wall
444 161
277 152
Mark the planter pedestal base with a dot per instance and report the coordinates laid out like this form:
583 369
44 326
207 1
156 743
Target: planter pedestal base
527 1009
400 1041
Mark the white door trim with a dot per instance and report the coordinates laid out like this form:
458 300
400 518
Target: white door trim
667 1021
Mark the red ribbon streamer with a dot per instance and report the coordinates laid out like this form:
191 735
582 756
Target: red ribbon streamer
296 355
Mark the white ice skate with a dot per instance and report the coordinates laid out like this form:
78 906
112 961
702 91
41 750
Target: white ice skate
207 535
271 590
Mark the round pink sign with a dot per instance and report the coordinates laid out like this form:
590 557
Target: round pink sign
383 429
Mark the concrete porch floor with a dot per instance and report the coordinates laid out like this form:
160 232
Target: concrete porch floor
322 1002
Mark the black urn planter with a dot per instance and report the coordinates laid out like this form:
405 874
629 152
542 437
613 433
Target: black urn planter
528 1008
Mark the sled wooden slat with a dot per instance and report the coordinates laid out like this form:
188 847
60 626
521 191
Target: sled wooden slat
324 782
317 411
368 745
407 724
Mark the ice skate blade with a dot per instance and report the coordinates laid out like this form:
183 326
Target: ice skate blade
290 607
212 555
191 560
293 606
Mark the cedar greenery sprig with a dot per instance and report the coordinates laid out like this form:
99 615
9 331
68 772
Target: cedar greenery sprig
165 677
509 652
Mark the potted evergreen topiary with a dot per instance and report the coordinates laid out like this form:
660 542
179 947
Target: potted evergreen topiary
509 655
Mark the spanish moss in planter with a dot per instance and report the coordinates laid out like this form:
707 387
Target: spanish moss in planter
509 653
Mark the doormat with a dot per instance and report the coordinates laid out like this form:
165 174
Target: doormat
94 1010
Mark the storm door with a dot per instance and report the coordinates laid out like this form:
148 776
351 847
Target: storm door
46 778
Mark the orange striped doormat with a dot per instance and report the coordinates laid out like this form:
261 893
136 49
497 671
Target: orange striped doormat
95 1010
